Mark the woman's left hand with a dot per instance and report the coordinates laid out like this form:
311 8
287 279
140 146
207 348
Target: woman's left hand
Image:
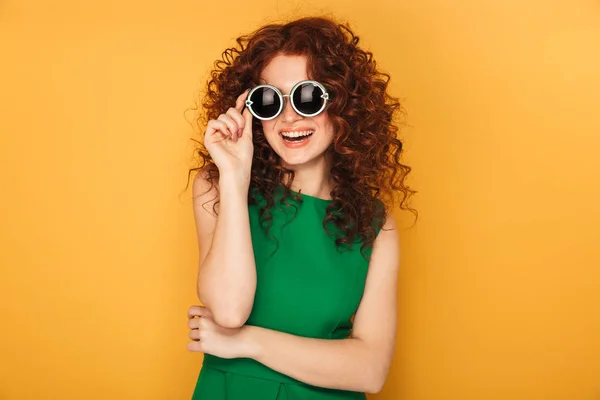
210 338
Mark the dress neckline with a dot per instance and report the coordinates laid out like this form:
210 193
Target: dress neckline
307 196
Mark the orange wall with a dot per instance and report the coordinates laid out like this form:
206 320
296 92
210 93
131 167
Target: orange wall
500 288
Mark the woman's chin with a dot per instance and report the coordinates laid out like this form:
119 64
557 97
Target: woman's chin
295 161
293 157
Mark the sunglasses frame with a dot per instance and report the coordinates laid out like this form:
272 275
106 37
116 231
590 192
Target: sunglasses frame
324 96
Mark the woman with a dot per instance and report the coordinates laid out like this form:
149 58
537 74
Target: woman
298 154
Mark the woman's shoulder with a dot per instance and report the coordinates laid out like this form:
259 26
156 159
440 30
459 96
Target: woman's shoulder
379 214
205 187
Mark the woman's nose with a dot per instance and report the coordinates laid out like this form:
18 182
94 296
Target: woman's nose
288 113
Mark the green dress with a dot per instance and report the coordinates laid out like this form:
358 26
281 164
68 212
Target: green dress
305 288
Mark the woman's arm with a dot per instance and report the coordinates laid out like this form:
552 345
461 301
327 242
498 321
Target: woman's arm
360 363
226 270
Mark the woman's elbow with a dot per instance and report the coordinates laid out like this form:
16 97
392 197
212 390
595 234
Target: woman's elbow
375 386
228 316
224 314
377 379
230 319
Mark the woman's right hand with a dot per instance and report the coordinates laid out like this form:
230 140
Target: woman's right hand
228 139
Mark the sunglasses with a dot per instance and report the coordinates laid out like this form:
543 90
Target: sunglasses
308 99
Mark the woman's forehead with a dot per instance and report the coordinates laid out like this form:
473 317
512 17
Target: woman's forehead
284 71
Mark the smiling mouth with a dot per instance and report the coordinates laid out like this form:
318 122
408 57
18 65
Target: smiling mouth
296 136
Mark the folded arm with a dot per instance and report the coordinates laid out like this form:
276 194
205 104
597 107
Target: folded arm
359 363
226 267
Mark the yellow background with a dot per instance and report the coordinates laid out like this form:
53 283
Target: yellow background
499 292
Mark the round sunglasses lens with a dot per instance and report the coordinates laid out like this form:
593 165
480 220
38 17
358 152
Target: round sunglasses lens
265 102
307 98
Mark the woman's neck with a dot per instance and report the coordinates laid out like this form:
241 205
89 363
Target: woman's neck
313 180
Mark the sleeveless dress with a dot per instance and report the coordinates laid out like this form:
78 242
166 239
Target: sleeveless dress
306 288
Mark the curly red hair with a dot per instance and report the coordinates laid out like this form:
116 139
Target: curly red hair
366 165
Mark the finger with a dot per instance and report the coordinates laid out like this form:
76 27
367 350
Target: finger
221 127
231 124
194 323
247 124
241 100
196 346
197 311
238 118
194 334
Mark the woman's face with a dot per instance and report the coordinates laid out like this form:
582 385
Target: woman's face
284 72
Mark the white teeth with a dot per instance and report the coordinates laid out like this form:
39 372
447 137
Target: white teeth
296 134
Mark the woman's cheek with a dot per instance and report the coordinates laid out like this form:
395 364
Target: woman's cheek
267 126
